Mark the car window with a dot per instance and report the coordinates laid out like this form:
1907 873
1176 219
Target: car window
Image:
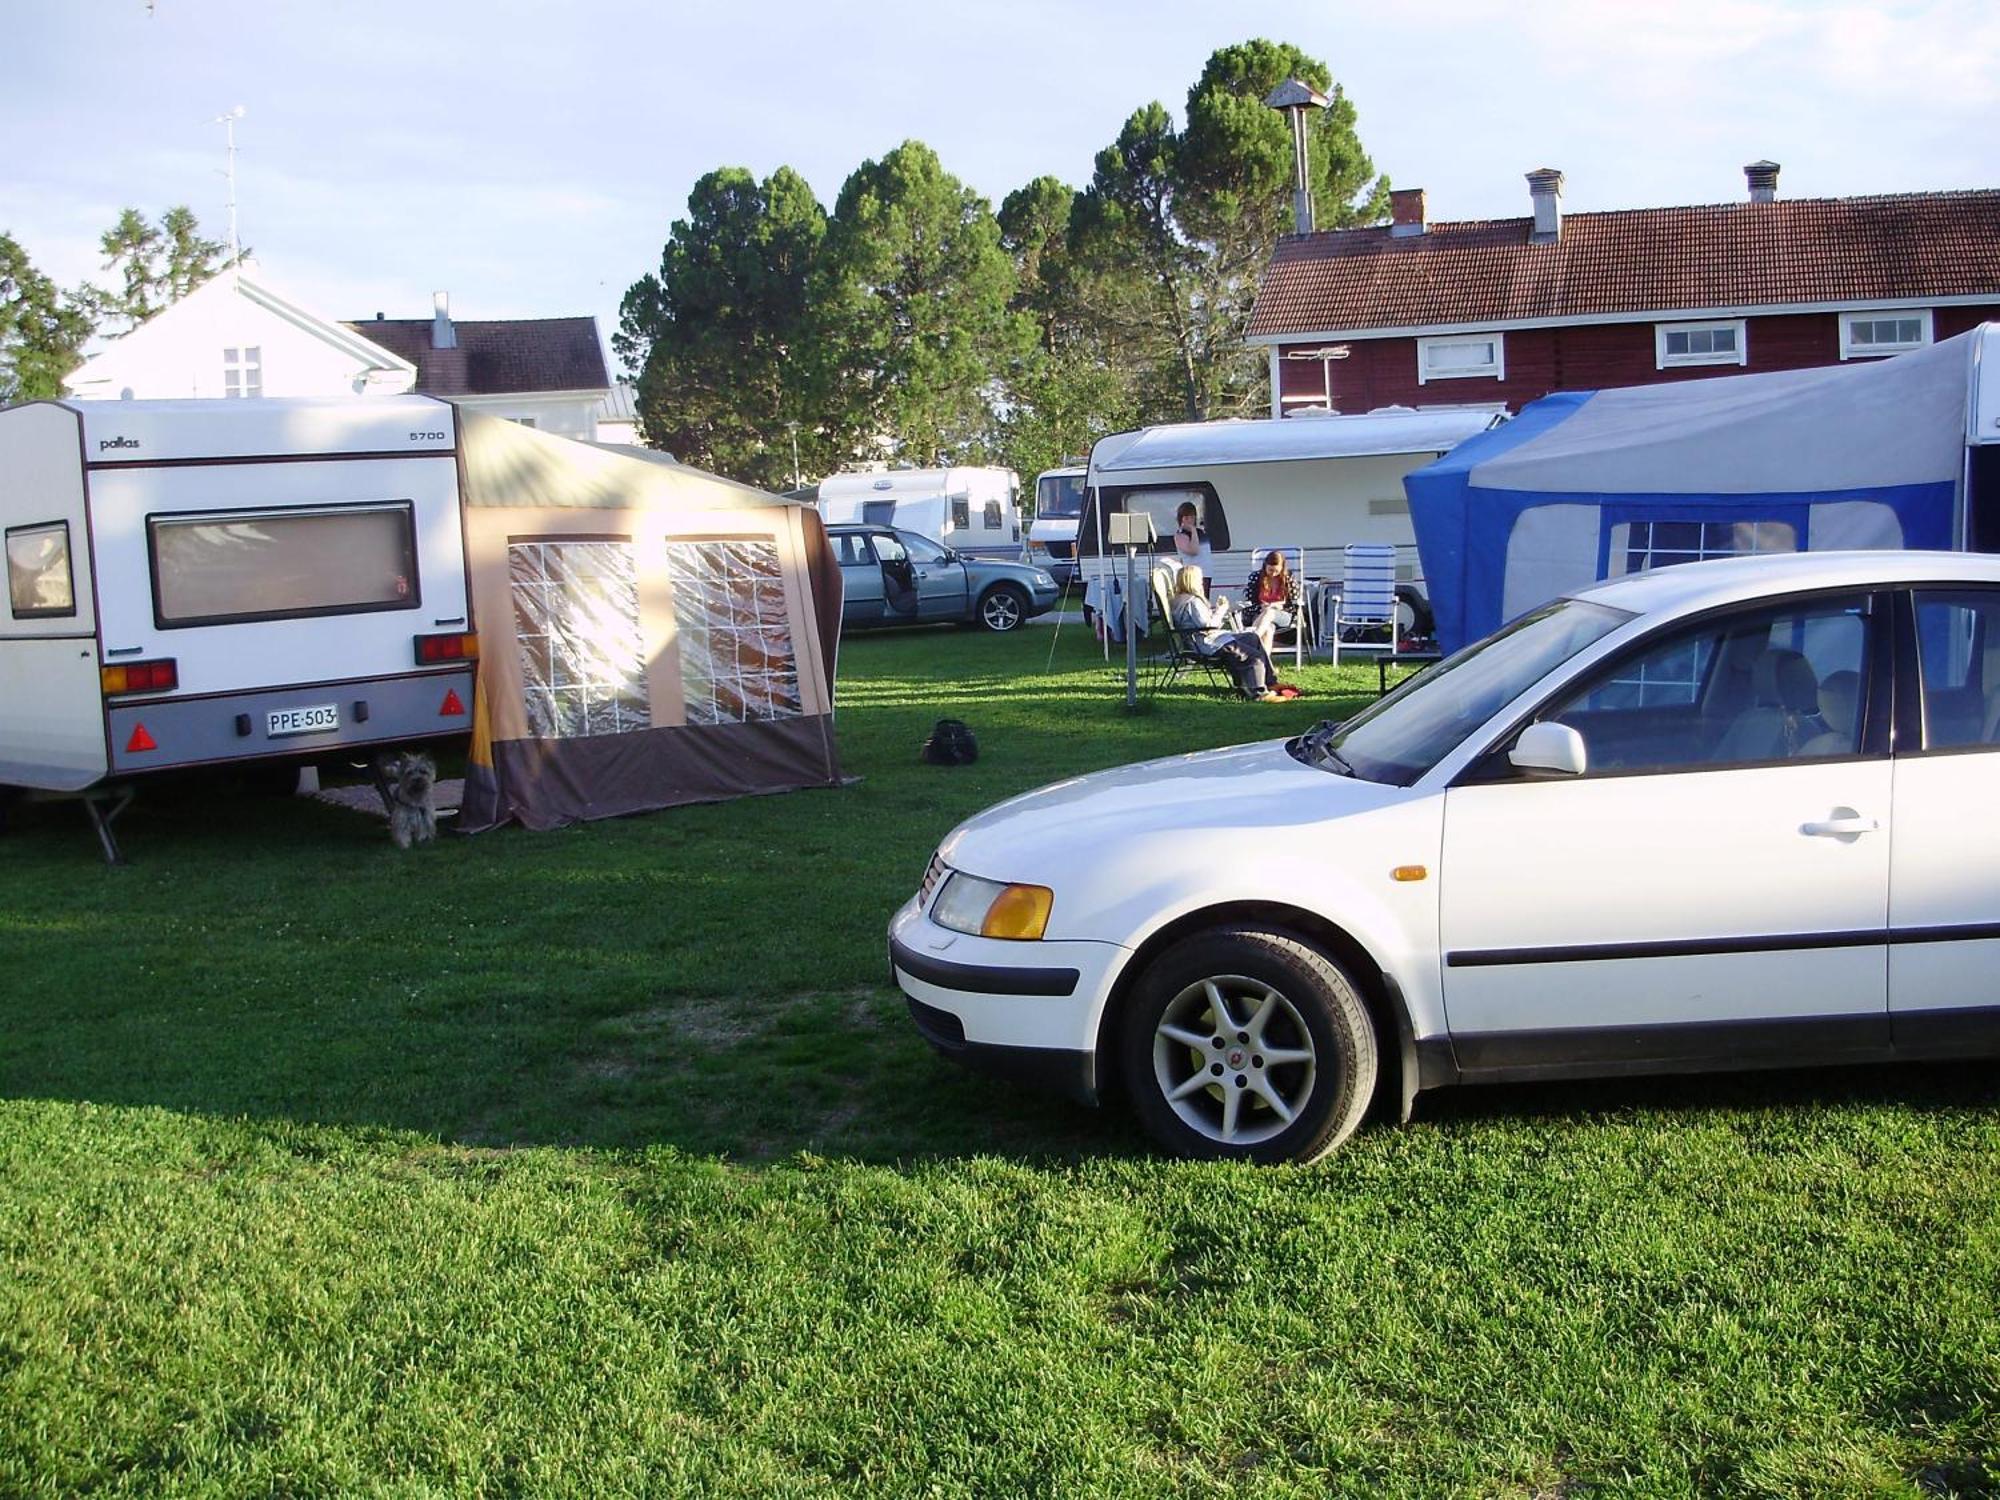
921 549
1958 652
1758 686
1403 735
853 551
888 548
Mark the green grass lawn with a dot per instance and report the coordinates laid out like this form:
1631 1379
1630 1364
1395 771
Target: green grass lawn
605 1162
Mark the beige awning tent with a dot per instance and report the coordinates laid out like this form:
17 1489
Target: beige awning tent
650 635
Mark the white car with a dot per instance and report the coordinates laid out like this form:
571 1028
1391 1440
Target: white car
1730 814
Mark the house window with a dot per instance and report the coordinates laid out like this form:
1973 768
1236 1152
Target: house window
1461 358
576 626
738 664
243 371
1699 344
39 584
1864 335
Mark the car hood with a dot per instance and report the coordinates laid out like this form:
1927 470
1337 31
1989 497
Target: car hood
1239 790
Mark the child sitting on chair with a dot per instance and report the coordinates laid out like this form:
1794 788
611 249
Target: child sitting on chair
1272 598
1242 652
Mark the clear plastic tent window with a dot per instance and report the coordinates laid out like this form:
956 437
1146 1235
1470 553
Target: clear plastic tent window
576 618
737 661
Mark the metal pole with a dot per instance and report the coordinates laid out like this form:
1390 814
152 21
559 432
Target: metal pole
228 124
1131 635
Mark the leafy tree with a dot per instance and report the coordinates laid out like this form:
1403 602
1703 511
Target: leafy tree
156 265
911 312
42 331
717 337
1177 225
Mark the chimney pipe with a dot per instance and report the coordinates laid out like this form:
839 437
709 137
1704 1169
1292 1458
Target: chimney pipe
1295 98
1406 212
443 335
1545 191
1763 179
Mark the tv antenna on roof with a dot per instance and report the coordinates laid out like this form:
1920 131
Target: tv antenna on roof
228 123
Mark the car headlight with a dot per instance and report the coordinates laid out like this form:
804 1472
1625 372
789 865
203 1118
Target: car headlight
989 908
1045 581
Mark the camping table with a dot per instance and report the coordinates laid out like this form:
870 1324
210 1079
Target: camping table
1387 659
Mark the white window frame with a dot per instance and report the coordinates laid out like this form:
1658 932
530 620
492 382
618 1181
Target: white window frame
1850 350
1740 355
1495 369
243 371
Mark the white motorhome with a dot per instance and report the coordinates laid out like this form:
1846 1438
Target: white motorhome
193 583
971 510
1313 483
1058 507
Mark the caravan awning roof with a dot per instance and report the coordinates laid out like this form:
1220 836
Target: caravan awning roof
1185 445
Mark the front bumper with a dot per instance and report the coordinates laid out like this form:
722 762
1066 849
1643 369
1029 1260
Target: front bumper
1027 1011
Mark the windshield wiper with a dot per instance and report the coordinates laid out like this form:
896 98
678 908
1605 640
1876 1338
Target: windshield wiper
1314 749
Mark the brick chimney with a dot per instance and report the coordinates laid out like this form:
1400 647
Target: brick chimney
1406 212
1545 191
1763 179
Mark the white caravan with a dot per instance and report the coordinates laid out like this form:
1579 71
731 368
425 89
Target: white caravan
1052 534
1314 483
191 583
975 511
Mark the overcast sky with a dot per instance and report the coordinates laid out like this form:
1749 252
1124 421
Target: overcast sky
529 157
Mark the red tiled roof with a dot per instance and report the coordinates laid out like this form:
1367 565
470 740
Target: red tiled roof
1635 260
498 357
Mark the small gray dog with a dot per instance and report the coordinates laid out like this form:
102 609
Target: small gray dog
405 779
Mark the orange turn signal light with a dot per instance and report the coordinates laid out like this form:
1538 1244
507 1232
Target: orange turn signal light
1409 872
434 650
1020 911
161 676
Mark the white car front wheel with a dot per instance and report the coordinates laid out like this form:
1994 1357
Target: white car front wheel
1247 1044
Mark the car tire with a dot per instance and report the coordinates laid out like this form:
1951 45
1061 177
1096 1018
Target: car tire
1002 608
1208 1090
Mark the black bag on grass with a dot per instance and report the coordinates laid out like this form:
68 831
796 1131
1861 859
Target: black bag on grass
950 744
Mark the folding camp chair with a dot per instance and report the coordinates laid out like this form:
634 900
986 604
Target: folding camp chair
1183 646
1366 613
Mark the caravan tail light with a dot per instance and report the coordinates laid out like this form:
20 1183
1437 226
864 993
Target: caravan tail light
161 676
435 649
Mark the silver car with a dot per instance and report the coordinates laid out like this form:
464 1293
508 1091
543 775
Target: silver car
894 577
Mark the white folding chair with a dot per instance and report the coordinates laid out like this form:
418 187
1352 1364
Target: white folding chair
1302 618
1367 606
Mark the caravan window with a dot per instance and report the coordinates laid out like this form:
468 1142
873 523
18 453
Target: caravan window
992 516
39 584
216 567
737 661
1163 504
961 513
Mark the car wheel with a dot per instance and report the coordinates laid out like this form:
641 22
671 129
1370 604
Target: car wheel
1248 1045
1002 607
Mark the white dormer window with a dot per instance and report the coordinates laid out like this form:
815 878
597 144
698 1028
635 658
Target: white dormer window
1865 335
1461 357
1721 343
243 371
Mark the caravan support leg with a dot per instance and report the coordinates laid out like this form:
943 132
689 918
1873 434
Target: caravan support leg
104 807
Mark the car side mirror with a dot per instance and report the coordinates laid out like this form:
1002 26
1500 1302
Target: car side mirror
1550 747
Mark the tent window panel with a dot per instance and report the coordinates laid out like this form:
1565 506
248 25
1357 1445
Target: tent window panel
39 582
576 625
223 566
738 663
1637 546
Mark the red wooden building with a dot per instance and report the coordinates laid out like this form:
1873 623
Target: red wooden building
1502 311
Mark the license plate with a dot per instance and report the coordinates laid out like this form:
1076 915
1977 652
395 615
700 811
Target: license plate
315 720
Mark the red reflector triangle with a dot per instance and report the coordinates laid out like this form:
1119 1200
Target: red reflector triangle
140 740
451 705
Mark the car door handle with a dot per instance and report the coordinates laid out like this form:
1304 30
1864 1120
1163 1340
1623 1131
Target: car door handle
1845 823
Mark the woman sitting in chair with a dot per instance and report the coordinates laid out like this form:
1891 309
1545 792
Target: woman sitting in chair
1272 598
1207 626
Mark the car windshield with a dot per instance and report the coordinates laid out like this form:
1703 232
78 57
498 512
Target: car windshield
1059 495
920 550
1399 738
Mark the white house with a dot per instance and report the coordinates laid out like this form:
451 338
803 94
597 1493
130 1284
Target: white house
234 336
